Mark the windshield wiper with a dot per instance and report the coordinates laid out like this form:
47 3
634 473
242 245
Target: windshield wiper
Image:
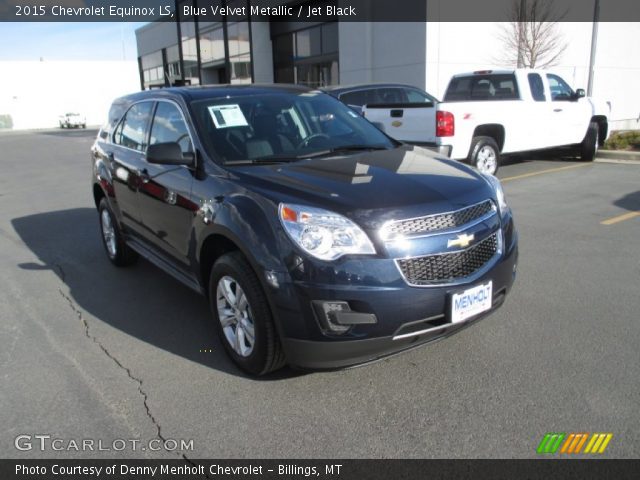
346 148
274 158
289 157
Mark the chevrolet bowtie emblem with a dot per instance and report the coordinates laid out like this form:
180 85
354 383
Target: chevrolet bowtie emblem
461 241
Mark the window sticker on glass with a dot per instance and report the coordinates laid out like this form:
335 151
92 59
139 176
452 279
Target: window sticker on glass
225 116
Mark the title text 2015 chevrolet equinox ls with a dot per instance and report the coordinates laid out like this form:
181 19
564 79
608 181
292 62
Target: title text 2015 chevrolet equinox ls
318 240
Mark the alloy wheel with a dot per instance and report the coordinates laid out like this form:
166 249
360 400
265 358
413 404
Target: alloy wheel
108 233
234 313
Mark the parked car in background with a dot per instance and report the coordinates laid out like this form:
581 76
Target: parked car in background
318 240
72 120
410 113
356 96
488 113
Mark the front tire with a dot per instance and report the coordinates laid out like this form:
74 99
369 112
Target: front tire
484 155
117 250
243 317
589 146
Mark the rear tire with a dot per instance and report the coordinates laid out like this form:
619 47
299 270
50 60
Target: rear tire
484 155
589 146
242 316
118 252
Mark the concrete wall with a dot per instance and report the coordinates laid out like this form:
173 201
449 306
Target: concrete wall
383 52
36 93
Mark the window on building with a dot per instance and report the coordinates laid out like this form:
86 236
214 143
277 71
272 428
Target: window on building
152 68
212 45
239 52
283 49
132 129
309 43
308 57
173 63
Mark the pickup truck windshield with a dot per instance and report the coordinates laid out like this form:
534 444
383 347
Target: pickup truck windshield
482 87
282 126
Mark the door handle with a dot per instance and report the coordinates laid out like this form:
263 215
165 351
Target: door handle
397 113
557 110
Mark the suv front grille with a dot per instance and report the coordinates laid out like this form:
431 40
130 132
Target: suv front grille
441 221
447 267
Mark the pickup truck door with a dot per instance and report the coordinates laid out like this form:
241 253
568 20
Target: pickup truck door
125 156
570 116
165 204
406 114
539 128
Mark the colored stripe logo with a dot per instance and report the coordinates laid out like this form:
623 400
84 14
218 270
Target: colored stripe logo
574 443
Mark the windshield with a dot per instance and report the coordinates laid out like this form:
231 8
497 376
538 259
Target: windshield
282 125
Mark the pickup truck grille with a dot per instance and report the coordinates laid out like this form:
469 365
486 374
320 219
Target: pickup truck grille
447 267
440 221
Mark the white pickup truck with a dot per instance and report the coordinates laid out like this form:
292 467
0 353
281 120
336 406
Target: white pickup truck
488 113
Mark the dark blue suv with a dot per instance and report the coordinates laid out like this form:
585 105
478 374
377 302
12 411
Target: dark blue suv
318 240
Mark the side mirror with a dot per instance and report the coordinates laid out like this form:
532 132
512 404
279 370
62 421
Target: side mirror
168 153
580 93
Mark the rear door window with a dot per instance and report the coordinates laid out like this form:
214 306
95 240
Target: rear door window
537 87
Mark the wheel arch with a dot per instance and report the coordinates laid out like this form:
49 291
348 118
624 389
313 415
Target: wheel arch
493 130
98 194
603 128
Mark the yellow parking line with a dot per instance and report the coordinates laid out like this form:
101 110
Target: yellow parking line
548 170
620 218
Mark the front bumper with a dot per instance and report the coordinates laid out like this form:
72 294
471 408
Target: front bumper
406 316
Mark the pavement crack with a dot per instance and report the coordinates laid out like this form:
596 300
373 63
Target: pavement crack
105 350
63 276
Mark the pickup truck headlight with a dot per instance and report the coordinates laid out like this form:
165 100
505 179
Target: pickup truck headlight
497 187
323 234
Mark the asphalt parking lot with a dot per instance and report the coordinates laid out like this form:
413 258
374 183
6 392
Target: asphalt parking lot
91 351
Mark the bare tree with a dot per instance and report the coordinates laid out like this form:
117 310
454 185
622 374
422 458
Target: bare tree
532 37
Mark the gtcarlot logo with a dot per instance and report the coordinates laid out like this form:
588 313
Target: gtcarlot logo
47 443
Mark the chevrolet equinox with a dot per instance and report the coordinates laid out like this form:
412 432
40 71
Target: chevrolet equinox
318 240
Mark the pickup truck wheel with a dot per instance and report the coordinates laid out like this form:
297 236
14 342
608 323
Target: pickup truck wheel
485 155
589 146
243 317
117 250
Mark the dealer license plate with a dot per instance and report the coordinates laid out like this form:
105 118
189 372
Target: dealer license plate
471 302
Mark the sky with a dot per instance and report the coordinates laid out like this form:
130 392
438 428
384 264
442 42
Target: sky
68 41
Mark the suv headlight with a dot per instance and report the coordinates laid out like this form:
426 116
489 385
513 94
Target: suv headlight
497 187
323 234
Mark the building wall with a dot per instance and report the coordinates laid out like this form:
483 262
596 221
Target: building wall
156 36
36 93
383 52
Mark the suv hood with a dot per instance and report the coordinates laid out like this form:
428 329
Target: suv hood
371 187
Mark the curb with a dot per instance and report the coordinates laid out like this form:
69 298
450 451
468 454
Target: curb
618 155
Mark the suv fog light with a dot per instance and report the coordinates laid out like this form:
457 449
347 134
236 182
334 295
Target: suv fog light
337 316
